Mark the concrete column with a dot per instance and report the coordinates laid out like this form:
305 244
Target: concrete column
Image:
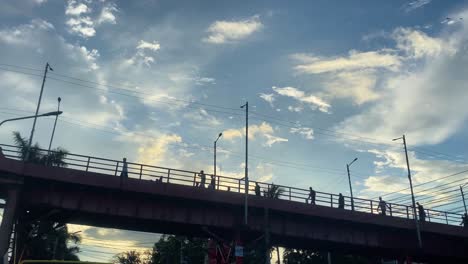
8 220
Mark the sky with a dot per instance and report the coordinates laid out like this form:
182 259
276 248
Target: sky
326 81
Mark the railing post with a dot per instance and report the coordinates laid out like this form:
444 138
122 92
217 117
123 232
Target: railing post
446 218
371 207
331 200
428 215
194 179
87 163
116 168
289 193
239 186
217 185
390 209
407 212
168 175
141 170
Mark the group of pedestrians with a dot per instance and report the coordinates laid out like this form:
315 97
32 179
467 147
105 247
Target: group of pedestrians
202 183
382 207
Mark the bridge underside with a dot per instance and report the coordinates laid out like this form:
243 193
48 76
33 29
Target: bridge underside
204 211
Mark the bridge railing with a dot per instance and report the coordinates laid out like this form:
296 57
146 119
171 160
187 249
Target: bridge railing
222 183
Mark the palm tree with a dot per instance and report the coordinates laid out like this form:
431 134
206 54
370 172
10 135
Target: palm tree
44 238
274 191
54 158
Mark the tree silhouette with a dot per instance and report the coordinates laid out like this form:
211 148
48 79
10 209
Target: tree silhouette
44 238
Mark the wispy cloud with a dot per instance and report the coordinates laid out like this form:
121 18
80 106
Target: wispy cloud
223 31
306 132
413 5
269 98
313 101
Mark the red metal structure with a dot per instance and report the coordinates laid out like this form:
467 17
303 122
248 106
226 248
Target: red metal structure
90 191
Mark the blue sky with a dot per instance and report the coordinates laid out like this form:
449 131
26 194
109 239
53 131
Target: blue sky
326 81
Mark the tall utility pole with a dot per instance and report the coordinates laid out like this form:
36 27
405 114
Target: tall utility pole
47 67
463 197
214 168
246 177
418 231
53 130
350 186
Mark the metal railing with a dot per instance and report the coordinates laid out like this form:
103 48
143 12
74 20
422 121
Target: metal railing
231 184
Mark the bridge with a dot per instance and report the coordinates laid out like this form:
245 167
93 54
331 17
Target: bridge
90 191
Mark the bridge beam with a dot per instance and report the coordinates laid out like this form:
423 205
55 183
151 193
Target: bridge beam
9 216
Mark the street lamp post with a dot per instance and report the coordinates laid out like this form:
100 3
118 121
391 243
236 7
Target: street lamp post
47 67
53 130
350 186
55 113
246 177
463 197
418 231
214 163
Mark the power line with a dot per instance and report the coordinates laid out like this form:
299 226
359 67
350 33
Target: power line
424 183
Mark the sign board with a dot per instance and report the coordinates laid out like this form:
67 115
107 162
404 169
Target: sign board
239 252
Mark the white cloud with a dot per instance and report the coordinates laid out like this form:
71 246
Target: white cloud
273 139
306 132
313 101
264 131
82 20
22 34
429 104
357 85
231 31
417 44
154 150
413 5
82 26
75 8
91 56
153 46
254 130
354 61
107 14
422 171
269 98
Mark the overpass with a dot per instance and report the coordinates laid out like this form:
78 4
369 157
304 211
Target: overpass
90 191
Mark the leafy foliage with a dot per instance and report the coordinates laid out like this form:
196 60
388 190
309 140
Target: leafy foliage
54 158
45 239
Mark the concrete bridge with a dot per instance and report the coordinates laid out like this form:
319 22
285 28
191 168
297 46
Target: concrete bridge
90 191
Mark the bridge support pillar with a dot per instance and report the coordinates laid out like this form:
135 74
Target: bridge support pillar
8 220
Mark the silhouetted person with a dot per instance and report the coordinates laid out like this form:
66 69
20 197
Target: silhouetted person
160 179
213 182
382 206
422 213
202 179
311 195
124 173
257 189
341 201
464 221
229 189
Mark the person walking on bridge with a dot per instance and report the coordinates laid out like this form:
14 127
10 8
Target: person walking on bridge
464 221
382 206
202 179
124 172
257 189
213 182
421 212
311 196
341 201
